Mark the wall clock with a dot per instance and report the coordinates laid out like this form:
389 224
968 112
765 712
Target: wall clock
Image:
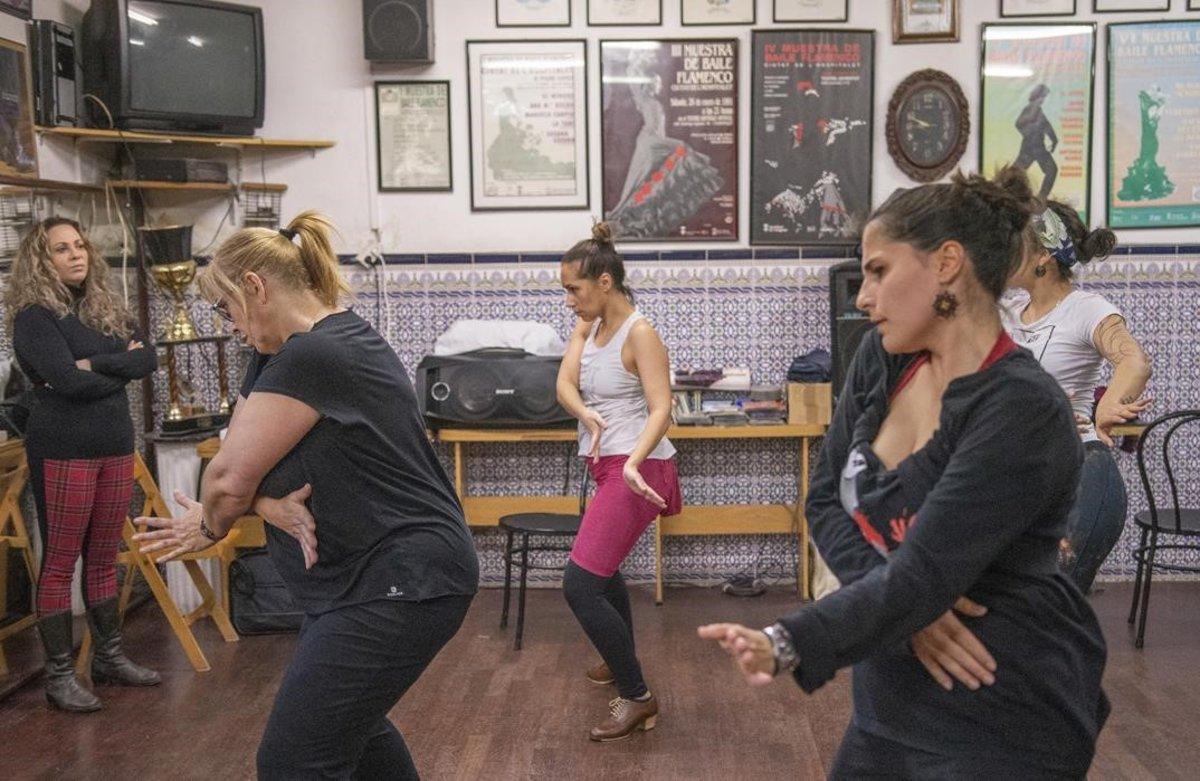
927 125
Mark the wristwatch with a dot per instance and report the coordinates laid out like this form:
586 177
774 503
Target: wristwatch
782 648
208 532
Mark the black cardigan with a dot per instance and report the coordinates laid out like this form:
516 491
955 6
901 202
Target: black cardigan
994 487
77 413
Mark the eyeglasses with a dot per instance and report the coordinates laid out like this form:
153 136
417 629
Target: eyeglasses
222 309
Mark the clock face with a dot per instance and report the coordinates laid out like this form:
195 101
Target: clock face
927 126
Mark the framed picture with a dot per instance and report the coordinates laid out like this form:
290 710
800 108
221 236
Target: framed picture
1153 101
702 12
1037 7
924 21
1193 5
669 138
613 13
22 9
533 13
811 10
811 135
18 145
1035 109
527 117
1118 6
412 135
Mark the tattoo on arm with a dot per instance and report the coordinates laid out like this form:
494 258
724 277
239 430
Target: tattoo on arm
1114 341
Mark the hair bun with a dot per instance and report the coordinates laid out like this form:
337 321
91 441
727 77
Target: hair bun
602 232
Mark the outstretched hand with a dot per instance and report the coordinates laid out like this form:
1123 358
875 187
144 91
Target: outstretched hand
750 649
178 535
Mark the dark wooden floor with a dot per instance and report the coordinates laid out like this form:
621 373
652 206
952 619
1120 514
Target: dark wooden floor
485 711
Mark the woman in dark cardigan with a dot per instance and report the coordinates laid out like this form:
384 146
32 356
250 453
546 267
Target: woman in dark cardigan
943 489
73 337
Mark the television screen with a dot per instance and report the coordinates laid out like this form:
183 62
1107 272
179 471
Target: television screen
191 59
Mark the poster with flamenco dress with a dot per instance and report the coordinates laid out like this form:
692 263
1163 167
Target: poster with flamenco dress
810 157
669 139
1154 124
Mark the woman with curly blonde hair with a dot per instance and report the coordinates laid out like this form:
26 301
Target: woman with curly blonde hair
75 340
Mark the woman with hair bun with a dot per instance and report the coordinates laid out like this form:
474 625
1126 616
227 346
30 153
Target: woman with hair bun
327 445
615 378
943 488
1072 333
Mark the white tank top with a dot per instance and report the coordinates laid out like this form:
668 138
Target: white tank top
616 393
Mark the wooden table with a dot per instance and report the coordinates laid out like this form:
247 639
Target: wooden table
694 520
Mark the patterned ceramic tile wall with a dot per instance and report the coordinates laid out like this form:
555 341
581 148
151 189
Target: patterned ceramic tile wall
724 308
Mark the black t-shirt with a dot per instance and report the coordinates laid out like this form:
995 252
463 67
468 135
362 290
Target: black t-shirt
77 413
389 525
991 492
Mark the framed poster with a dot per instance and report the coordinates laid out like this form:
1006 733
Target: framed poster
527 117
702 12
612 13
1193 5
22 9
1037 7
924 21
1118 6
669 135
412 135
18 146
533 13
1036 106
810 127
811 10
1154 124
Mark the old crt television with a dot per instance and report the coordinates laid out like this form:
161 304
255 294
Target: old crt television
174 65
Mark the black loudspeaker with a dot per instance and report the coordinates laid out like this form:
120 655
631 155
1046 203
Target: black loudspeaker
52 57
847 323
398 30
493 388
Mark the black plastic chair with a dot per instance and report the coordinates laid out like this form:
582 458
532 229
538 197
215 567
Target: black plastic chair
533 525
1173 521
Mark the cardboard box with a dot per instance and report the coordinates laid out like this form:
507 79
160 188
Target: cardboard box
810 403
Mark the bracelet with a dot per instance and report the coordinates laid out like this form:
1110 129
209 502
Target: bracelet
782 647
208 532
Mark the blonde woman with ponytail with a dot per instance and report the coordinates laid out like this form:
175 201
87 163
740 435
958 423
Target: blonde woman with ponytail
326 444
75 340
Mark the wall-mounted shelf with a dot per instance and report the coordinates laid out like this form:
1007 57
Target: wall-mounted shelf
135 184
48 185
140 137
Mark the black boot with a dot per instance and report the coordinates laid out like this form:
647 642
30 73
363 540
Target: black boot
63 691
109 663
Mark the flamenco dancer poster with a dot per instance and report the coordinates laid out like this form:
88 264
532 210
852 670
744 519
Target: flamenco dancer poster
1154 125
811 126
1037 106
669 139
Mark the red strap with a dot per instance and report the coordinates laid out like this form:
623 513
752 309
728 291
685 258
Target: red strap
1003 346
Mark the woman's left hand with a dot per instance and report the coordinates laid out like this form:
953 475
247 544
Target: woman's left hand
633 479
1116 414
176 535
750 648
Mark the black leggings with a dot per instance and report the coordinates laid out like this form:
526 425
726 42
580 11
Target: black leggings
602 607
351 666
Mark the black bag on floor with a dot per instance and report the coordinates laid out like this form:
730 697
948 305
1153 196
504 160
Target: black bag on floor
259 601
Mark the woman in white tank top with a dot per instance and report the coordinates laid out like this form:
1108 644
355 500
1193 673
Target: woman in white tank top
1073 333
615 379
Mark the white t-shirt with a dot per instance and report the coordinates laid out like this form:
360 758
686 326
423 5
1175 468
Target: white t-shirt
1063 341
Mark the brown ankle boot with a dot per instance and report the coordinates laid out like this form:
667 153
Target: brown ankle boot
600 675
625 718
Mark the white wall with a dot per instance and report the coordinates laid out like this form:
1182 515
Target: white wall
319 86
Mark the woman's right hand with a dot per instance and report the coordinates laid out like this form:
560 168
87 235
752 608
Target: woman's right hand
595 424
290 514
950 651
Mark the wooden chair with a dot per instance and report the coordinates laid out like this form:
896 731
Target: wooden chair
14 534
141 563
